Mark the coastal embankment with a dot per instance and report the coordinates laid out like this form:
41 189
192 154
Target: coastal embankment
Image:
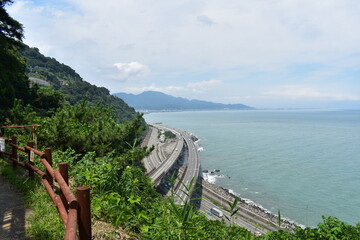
250 215
248 209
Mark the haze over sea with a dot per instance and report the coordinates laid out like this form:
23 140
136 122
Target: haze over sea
304 162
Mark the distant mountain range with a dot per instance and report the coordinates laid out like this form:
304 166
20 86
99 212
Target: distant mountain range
158 101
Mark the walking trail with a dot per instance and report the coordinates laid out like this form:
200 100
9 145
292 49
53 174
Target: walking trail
12 213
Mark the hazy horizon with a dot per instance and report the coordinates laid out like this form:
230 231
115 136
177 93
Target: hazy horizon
254 107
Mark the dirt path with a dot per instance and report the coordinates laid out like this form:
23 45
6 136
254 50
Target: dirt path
12 213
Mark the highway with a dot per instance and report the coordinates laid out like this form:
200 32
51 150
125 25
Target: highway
256 222
157 168
193 168
161 168
206 205
149 161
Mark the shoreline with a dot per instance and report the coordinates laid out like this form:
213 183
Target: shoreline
245 203
249 205
249 210
307 208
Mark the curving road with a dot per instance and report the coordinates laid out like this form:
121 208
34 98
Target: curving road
157 169
149 161
162 168
192 170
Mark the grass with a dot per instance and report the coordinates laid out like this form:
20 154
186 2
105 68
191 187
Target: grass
44 221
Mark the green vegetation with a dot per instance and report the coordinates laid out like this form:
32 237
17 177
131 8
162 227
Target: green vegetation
18 62
233 210
331 228
121 193
169 135
45 220
13 81
102 149
74 89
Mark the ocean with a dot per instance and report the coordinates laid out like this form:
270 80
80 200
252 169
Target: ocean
304 162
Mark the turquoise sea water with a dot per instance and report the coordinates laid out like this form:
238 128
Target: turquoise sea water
305 163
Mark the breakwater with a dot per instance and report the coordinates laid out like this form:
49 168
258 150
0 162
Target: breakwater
248 205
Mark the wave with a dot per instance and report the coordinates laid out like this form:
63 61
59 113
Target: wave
201 149
211 178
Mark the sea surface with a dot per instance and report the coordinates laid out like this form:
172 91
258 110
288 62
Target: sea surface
304 162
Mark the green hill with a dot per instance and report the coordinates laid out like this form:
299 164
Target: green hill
64 79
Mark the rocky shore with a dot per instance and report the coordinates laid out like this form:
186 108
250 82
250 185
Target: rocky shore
248 205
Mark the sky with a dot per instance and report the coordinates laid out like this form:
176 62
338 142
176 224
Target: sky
262 53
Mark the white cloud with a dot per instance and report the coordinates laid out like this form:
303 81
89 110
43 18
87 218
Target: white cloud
242 39
187 89
306 93
252 33
202 85
130 70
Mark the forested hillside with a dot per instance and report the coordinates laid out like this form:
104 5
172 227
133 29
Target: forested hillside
64 79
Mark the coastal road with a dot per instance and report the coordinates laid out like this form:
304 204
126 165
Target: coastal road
206 205
149 161
245 218
192 170
252 220
159 171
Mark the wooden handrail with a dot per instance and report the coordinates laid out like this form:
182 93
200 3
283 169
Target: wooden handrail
57 201
74 211
73 203
37 152
17 147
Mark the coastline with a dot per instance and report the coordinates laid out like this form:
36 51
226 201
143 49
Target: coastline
248 205
255 215
217 131
243 203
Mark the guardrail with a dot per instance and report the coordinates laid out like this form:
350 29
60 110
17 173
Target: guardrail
74 211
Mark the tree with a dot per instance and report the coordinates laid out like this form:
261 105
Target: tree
13 81
47 101
10 29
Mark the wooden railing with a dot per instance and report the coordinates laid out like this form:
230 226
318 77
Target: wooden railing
74 211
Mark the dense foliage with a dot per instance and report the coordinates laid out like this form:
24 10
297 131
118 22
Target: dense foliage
330 229
13 81
169 135
71 85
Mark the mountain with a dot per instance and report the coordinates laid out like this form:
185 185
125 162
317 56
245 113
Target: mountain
64 79
158 101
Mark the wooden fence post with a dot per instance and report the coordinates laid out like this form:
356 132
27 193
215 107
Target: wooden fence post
31 172
64 171
84 214
14 154
49 160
